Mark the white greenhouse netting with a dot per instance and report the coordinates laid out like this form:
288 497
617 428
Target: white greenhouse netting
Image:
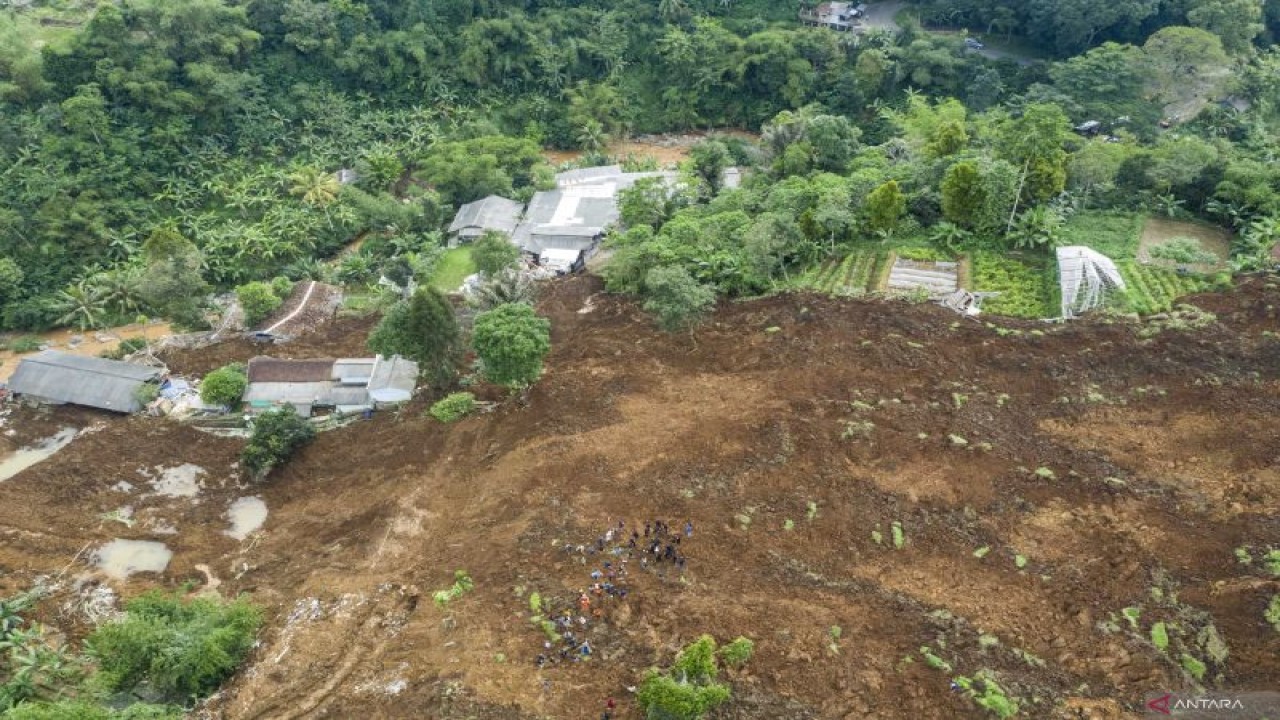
1084 275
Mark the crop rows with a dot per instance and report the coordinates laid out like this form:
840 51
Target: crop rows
1152 289
849 275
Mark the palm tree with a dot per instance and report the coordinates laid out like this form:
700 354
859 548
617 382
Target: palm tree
80 305
315 186
505 288
949 235
117 290
1168 204
591 135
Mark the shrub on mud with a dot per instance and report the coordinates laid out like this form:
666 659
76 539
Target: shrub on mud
984 691
453 407
277 435
181 649
224 386
689 689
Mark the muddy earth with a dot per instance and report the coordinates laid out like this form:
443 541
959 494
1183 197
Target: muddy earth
955 496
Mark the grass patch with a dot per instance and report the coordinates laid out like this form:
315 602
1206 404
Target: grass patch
454 267
1115 235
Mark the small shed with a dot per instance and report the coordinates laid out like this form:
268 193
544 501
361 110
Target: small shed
274 382
492 213
63 378
346 385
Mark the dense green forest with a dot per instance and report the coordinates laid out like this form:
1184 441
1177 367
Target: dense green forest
154 151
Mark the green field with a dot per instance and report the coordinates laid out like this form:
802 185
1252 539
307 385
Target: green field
1115 235
454 267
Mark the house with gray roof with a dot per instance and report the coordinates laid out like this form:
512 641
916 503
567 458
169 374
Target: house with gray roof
62 378
492 213
344 385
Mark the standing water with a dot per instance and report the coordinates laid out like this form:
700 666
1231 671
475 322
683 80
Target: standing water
247 514
24 458
121 558
180 481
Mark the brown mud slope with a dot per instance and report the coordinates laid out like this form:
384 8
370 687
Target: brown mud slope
1100 470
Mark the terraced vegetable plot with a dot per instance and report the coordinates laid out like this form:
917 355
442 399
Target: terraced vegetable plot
1153 289
1025 286
850 275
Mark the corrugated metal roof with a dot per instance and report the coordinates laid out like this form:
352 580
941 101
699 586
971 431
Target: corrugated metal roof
588 175
288 392
268 369
89 381
394 373
492 213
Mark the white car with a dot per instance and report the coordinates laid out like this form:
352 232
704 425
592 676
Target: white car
973 44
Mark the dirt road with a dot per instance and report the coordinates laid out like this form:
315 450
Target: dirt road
998 494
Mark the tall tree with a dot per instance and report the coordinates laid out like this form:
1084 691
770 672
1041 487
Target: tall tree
885 206
1235 22
676 300
511 341
424 329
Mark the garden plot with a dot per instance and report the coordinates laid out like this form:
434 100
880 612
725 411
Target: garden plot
850 275
1212 239
937 277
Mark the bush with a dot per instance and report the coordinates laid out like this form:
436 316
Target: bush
183 649
984 691
25 344
146 393
738 652
453 407
689 690
281 286
277 435
665 697
127 347
258 300
224 386
493 252
676 299
1272 613
511 341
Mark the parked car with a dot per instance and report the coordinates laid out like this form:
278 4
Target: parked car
973 44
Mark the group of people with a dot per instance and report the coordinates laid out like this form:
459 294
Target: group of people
655 545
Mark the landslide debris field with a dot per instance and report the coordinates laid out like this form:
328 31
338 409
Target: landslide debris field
1110 471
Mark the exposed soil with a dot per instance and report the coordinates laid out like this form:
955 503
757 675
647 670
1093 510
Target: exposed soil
309 306
668 150
1213 239
1093 464
90 342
